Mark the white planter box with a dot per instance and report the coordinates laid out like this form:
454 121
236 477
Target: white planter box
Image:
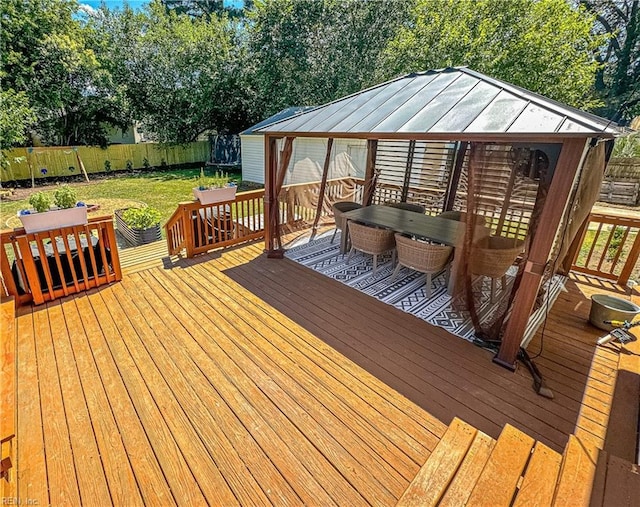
54 219
213 195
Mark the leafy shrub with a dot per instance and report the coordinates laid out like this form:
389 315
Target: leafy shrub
141 218
107 166
145 163
65 197
40 201
129 165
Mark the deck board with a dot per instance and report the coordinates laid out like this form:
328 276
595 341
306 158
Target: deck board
333 442
31 468
231 378
61 472
271 359
221 430
154 486
114 459
338 397
86 456
176 469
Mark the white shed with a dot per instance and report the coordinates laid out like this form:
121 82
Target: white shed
348 156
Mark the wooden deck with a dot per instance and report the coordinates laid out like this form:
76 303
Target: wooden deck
236 379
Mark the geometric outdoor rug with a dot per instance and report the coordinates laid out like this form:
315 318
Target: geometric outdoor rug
406 292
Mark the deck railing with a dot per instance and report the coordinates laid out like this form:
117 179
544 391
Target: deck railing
46 265
198 228
610 247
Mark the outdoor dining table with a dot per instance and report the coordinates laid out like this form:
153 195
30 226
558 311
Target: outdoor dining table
442 230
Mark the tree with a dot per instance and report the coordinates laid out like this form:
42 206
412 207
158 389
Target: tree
543 45
618 78
15 118
47 63
180 73
307 52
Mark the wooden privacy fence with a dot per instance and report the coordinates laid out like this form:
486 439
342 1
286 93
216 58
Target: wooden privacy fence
610 247
46 265
621 184
56 161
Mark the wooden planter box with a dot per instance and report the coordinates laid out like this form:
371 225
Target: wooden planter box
213 195
136 237
54 219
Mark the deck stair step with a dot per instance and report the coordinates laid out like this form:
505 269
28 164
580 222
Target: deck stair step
137 258
616 482
468 467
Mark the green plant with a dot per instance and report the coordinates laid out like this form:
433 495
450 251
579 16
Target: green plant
202 182
615 243
129 165
220 180
107 166
65 197
145 163
40 201
141 218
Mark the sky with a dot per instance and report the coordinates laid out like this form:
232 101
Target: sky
114 4
135 4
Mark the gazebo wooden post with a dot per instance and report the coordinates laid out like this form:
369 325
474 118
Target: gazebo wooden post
270 154
454 179
274 179
369 173
571 156
407 170
323 187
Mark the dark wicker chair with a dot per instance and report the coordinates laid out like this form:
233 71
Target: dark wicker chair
492 257
371 240
338 209
427 258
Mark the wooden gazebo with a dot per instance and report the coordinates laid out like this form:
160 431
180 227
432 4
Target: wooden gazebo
461 109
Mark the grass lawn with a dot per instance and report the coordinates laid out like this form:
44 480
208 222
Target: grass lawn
159 189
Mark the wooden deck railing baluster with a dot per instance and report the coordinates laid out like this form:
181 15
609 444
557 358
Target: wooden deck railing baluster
601 252
43 266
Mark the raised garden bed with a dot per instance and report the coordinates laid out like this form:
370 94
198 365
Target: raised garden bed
136 237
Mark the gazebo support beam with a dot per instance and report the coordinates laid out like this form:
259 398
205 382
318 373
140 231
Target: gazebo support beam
407 170
270 158
454 178
571 157
323 187
369 173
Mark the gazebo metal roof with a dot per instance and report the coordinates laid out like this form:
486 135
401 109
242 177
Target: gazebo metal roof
456 101
281 115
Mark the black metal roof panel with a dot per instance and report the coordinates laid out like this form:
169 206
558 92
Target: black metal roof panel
282 115
447 101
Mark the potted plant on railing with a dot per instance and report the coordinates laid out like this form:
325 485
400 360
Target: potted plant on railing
67 211
215 189
139 226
